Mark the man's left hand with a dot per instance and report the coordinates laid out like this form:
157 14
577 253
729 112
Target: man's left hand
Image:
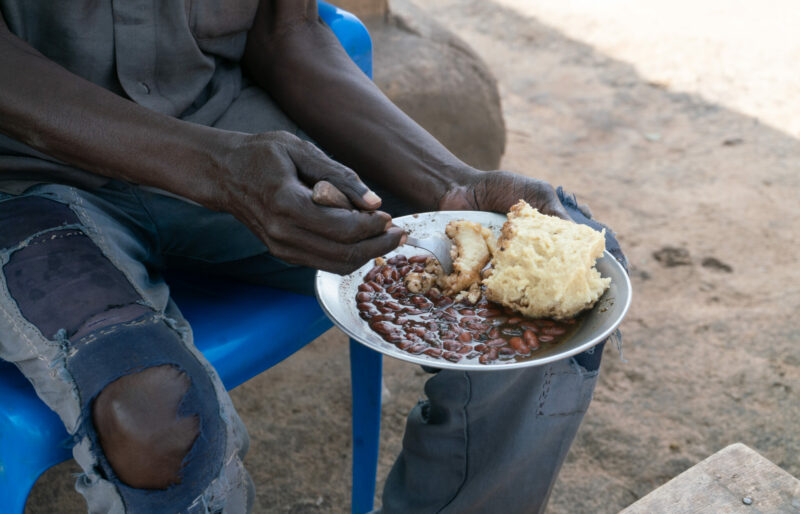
497 191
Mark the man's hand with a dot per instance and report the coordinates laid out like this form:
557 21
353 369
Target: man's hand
267 184
497 191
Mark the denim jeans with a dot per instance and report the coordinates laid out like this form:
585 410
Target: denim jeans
83 302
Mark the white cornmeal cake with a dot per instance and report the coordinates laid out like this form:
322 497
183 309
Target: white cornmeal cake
544 266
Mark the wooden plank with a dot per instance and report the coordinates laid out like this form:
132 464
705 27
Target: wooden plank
724 483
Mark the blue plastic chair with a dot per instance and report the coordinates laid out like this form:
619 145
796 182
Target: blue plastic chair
262 326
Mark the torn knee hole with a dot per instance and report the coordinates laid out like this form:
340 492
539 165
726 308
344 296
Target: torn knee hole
141 429
112 316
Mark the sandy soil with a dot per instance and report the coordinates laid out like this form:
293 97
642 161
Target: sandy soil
705 201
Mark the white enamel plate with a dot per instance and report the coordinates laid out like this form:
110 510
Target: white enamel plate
337 297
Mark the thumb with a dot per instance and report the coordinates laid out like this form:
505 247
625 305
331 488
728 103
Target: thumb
314 166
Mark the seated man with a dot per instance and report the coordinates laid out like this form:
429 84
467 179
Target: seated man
139 136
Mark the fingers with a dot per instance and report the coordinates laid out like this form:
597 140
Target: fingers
308 249
295 205
314 166
557 209
553 206
499 190
325 193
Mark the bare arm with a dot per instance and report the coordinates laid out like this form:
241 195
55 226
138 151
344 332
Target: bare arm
296 57
263 179
80 123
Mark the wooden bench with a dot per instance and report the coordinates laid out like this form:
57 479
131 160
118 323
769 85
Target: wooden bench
735 479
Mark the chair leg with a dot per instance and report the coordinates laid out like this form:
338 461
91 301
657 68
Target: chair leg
366 369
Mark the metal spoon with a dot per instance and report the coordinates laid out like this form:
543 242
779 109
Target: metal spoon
438 246
327 194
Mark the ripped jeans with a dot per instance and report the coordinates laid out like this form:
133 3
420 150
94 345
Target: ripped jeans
83 303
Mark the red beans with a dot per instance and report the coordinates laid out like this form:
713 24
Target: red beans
488 357
420 331
506 352
531 340
437 326
452 357
371 274
404 345
417 300
518 345
380 327
452 346
417 348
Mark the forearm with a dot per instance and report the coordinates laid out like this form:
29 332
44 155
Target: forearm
62 115
305 69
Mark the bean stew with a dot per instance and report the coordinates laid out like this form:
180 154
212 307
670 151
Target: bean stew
440 327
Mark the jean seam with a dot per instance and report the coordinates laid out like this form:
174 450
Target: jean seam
543 395
27 241
466 444
136 194
15 323
20 325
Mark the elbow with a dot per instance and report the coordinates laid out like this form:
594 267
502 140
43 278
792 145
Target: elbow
278 52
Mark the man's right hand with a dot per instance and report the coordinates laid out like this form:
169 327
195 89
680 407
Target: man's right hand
267 181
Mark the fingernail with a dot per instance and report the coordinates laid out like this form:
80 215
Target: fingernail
403 239
371 198
388 225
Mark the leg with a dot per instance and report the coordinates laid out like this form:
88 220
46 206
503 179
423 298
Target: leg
493 441
143 435
80 317
488 441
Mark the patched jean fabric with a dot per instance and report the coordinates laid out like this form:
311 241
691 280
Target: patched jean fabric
83 302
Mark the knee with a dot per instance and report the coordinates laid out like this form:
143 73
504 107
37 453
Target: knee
141 429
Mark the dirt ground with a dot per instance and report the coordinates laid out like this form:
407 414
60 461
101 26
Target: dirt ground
705 201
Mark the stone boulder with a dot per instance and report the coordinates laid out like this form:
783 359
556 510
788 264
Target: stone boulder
436 78
364 9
